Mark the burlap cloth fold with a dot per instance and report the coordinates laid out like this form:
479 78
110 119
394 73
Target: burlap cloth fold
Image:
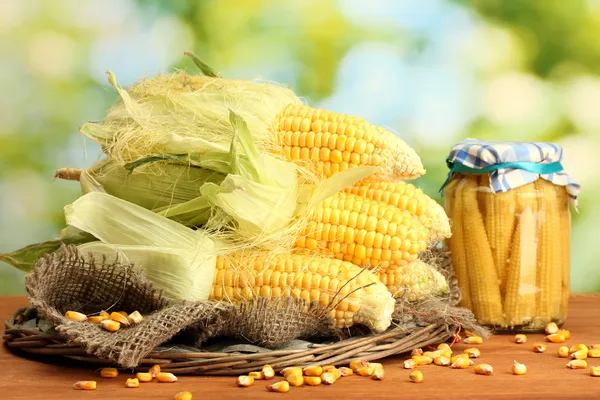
67 280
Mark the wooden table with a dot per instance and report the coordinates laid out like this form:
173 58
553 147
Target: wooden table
547 376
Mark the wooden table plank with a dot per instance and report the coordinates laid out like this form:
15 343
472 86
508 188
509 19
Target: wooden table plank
547 377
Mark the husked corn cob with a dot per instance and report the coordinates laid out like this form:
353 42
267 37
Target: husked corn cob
415 281
329 142
365 232
362 298
408 197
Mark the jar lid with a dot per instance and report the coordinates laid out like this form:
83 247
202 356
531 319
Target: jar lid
511 164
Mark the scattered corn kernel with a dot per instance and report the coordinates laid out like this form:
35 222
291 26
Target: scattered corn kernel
551 328
96 319
519 369
460 363
132 383
135 317
344 371
109 373
144 376
291 371
356 364
120 318
444 346
416 376
166 377
257 375
446 353
377 374
442 361
563 351
595 371
268 371
279 387
105 314
456 357
539 348
484 369
594 346
375 365
565 333
328 378
594 353
410 364
471 362
123 313
473 340
520 339
579 355
295 379
433 354
577 364
85 385
578 347
365 371
76 316
244 381
469 333
416 352
183 396
110 325
555 338
422 360
312 380
154 371
332 369
472 352
313 370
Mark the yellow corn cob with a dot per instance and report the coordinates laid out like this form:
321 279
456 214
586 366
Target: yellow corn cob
499 216
416 281
362 298
454 208
366 232
487 303
407 197
330 142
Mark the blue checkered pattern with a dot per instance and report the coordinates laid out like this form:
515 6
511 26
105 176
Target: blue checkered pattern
480 154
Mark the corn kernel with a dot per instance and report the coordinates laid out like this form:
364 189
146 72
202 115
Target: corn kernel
85 385
291 371
472 352
441 361
144 376
577 364
135 317
416 352
539 348
520 339
555 338
344 371
416 376
105 314
460 363
578 347
469 333
446 353
422 360
377 374
76 316
166 377
444 346
594 346
154 371
356 364
563 351
257 375
96 319
519 369
268 371
365 371
456 357
473 340
331 368
279 387
109 373
110 325
132 383
123 313
433 354
295 379
120 318
595 371
244 381
551 328
565 333
328 378
484 369
579 355
313 370
183 396
312 380
594 353
410 364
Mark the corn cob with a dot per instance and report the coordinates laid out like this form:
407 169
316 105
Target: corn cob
414 281
330 142
485 289
362 298
408 197
365 232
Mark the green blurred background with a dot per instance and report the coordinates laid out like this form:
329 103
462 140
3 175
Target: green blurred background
436 71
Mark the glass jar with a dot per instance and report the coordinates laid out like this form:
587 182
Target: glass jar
510 232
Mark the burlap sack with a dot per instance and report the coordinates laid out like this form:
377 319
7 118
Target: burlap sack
66 280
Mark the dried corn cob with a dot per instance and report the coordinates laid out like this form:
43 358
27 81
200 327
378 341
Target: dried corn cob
362 298
410 198
366 232
414 281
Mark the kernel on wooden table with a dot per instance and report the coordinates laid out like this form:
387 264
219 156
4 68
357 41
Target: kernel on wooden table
483 369
555 338
132 383
378 373
422 360
257 375
460 363
416 352
85 385
154 370
268 371
166 377
594 353
595 371
345 371
519 369
410 364
313 370
565 333
183 396
280 387
291 371
520 338
295 379
579 354
328 378
472 352
577 364
563 351
356 364
578 347
539 348
109 372
441 361
244 381
144 376
312 380
551 328
456 357
416 376
365 371
444 346
473 340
